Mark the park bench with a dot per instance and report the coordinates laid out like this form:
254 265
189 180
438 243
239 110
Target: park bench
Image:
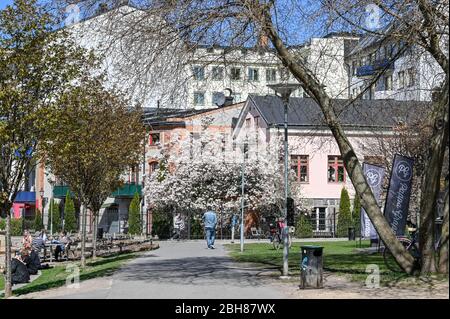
256 233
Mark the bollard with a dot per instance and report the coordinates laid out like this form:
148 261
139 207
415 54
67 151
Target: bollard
311 267
351 233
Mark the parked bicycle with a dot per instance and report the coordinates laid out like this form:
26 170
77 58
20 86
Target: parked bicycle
276 234
411 245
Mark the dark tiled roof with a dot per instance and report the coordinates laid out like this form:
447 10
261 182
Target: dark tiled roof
157 115
361 113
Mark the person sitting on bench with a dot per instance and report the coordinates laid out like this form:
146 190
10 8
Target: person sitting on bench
19 271
32 261
63 244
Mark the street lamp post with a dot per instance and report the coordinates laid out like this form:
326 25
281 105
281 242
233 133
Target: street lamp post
52 203
41 193
284 91
244 153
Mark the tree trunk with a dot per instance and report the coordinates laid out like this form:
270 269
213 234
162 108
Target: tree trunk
94 237
8 284
351 162
83 236
443 250
431 185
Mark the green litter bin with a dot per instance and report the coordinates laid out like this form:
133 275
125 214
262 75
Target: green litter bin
311 267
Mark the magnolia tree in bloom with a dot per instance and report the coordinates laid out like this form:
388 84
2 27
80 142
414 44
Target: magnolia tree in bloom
208 171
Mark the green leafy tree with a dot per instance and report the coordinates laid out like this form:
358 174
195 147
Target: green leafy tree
345 216
161 224
134 216
97 136
38 224
54 217
356 214
16 226
303 228
37 64
70 220
196 228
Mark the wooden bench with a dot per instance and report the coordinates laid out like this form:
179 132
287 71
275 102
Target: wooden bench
256 233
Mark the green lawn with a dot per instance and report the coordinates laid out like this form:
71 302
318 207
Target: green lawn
56 277
340 257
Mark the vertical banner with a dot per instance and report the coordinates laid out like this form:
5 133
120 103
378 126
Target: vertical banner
397 201
374 176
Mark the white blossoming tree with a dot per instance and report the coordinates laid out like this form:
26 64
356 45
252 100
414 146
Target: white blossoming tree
207 171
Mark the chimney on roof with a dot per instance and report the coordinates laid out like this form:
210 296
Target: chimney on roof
102 8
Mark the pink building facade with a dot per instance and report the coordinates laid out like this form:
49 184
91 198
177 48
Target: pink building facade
313 153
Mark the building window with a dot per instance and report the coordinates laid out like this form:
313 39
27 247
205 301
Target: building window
388 82
217 73
133 176
216 98
154 139
401 79
199 98
256 121
336 170
411 77
235 74
300 164
198 72
354 67
271 75
248 122
319 219
153 167
354 93
253 74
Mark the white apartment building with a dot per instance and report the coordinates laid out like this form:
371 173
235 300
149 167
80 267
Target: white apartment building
412 75
250 70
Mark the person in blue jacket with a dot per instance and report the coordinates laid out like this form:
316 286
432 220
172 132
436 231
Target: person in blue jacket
210 222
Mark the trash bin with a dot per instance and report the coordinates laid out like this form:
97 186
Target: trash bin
99 233
311 267
351 233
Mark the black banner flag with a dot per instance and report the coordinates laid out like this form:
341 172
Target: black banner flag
399 193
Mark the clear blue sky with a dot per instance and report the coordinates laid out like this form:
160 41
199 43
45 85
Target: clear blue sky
4 3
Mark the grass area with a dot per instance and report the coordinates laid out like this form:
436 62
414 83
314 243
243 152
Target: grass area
56 277
340 257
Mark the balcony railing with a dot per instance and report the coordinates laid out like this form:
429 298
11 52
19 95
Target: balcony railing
60 191
128 190
371 69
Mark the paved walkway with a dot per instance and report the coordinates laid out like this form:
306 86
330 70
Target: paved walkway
187 270
177 270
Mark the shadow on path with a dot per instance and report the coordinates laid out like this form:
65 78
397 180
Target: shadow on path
191 271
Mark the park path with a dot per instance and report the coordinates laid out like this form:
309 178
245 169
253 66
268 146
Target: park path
188 270
185 269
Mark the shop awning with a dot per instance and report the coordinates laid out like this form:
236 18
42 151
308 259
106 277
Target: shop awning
26 197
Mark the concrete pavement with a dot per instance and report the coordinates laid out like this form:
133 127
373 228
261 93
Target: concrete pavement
185 269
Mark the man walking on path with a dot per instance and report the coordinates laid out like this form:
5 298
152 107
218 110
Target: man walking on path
210 221
178 226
